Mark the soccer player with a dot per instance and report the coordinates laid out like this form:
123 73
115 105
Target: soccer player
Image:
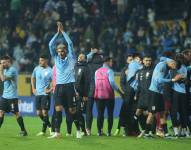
179 103
189 95
53 90
95 61
65 60
159 77
187 59
104 94
9 100
131 87
167 96
143 94
41 87
82 88
124 107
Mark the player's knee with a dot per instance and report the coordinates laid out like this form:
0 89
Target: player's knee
163 115
1 113
150 116
72 110
138 112
58 108
166 113
17 114
39 113
145 113
44 112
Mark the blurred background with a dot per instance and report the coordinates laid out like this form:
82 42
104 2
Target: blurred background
117 27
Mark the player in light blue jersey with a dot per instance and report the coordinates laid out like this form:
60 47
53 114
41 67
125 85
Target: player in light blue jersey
187 59
131 126
157 103
9 100
65 60
180 103
41 87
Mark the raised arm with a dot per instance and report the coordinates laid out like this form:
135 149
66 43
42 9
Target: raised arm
67 38
52 45
70 44
90 55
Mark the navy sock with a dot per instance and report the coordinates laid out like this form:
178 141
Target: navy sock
165 128
58 120
21 123
1 120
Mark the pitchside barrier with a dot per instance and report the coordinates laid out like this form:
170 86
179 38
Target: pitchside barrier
27 106
27 100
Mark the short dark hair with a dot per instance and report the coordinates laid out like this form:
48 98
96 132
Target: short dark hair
44 56
107 58
83 53
187 51
6 57
147 56
179 58
129 55
97 58
136 55
168 54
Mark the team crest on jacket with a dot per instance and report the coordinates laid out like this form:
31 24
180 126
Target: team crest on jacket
79 71
46 73
147 74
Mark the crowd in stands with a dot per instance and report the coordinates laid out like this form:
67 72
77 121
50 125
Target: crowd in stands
117 27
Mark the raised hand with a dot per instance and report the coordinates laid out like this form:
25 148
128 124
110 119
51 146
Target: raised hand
94 50
60 27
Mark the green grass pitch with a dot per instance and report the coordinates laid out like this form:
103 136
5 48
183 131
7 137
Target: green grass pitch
10 141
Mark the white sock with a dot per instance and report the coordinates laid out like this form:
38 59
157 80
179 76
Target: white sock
176 131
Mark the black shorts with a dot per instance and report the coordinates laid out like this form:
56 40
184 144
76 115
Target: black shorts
179 99
129 94
43 102
156 103
189 103
143 101
65 95
9 105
